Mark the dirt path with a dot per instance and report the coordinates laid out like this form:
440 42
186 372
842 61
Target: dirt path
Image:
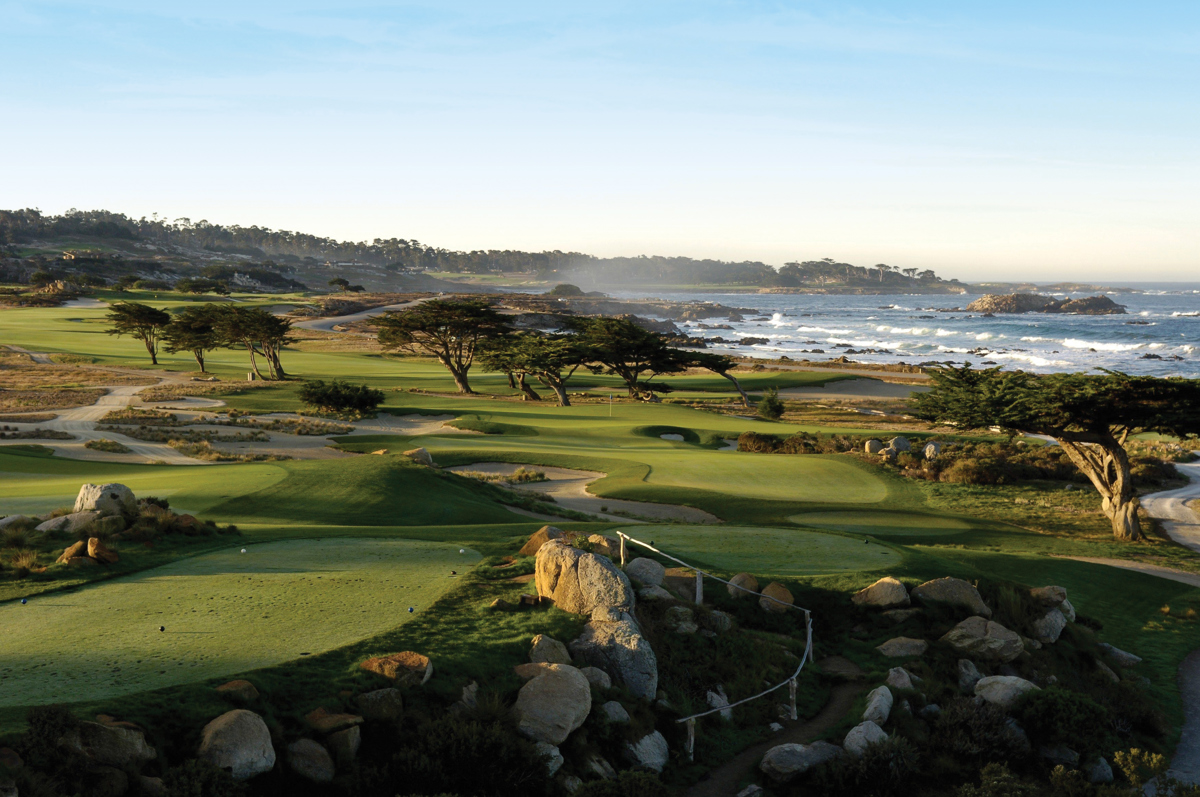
569 490
37 357
854 389
328 324
1171 507
725 780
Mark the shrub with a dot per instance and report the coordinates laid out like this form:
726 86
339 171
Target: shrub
976 733
339 396
627 784
151 500
47 724
111 446
770 406
997 780
24 560
16 536
565 289
198 778
524 475
1059 716
883 770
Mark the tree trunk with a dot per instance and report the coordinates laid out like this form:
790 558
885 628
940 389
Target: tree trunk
460 379
254 363
511 381
738 385
559 386
199 354
1107 466
527 389
152 347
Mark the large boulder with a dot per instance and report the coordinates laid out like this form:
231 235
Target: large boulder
405 667
646 572
310 760
553 704
343 745
382 705
1003 690
886 593
680 620
952 591
1119 657
74 551
1049 626
238 741
580 582
10 520
900 444
115 746
984 639
873 446
107 499
552 756
649 753
900 678
862 736
549 650
775 598
621 651
786 761
879 705
1050 597
743 585
540 538
903 646
68 524
932 450
596 677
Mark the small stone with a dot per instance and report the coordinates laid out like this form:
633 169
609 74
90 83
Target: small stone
310 760
898 616
1003 690
984 639
886 593
753 790
538 539
1098 771
646 572
470 695
968 676
382 705
613 711
596 764
717 621
654 594
549 650
323 721
406 667
552 756
9 759
596 677
902 647
151 787
344 746
784 762
238 741
1107 672
879 705
649 753
952 591
1119 657
570 784
680 620
240 691
1049 626
775 598
899 678
1068 611
1059 755
717 699
775 727
532 669
420 456
930 712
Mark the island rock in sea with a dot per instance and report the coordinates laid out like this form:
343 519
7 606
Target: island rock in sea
1035 303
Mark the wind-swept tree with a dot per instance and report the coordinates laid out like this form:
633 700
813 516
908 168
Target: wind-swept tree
721 365
259 332
139 321
551 359
1090 415
194 329
447 329
341 283
620 347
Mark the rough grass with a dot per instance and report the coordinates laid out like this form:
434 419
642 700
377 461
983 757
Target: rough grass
111 446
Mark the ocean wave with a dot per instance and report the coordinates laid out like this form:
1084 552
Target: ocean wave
1074 343
1035 339
826 330
904 330
1193 314
942 333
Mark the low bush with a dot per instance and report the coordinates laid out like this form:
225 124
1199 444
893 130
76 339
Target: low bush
198 778
1058 716
770 406
111 446
339 396
883 770
977 734
627 784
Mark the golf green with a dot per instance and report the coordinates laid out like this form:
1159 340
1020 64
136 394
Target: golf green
883 524
764 551
224 613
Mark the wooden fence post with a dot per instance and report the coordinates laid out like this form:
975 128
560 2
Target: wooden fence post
792 685
699 588
691 742
622 538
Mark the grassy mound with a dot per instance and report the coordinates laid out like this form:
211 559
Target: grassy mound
224 612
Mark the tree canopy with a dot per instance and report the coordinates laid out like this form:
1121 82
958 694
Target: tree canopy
447 329
193 329
140 321
551 359
1090 415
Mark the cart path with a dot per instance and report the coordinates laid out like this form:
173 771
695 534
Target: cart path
1179 520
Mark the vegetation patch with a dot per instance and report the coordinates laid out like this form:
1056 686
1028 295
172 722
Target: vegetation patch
109 446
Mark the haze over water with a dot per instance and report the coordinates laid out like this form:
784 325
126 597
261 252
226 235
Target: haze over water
1163 321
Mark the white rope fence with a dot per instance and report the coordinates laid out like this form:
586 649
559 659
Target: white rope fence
791 682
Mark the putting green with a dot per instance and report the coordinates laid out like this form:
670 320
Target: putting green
884 524
224 613
764 551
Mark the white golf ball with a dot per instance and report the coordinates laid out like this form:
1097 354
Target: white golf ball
243 550
462 550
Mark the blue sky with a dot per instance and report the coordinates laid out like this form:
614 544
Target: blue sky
1009 140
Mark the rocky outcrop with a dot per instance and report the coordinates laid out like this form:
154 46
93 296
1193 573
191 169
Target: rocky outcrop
954 592
69 524
649 753
549 650
238 741
621 651
980 638
886 593
784 762
1003 690
310 760
579 582
113 745
903 646
899 444
540 538
863 736
1035 303
405 667
553 704
775 598
107 499
743 585
879 705
646 572
382 705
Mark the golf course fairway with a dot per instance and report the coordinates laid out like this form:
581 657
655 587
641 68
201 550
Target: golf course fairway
883 524
764 551
224 612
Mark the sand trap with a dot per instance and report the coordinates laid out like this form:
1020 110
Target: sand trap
409 425
678 438
569 490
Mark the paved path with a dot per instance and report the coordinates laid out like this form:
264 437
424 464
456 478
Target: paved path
328 324
725 780
1170 506
859 388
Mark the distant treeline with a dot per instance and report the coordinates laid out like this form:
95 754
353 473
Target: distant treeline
24 226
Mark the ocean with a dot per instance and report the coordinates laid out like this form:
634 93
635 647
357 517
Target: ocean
1159 335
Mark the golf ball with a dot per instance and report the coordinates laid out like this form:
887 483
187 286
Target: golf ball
462 550
24 601
243 550
410 610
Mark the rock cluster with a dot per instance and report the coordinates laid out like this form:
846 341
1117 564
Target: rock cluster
1035 303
